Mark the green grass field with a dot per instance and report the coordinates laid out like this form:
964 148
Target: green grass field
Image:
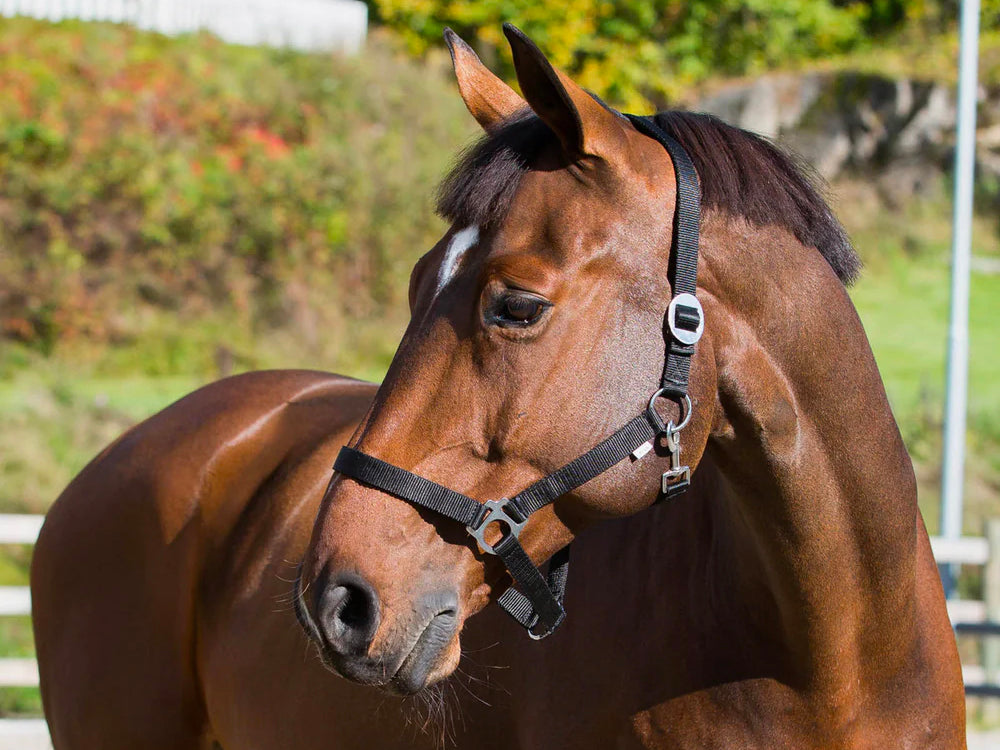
905 312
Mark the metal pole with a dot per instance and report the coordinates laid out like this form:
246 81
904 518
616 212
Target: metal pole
961 250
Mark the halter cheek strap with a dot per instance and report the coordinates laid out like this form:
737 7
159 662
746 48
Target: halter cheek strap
536 601
685 318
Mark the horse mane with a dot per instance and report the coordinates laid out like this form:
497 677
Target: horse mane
740 173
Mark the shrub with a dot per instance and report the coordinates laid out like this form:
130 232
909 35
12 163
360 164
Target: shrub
265 188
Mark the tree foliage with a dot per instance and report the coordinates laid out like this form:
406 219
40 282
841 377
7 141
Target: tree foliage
634 51
638 53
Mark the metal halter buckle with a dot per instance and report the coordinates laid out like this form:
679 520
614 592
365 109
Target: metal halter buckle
495 511
686 335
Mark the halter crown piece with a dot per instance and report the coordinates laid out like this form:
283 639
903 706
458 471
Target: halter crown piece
536 601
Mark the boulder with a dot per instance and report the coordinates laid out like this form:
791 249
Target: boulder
901 130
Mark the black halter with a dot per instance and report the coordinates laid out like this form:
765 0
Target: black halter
537 600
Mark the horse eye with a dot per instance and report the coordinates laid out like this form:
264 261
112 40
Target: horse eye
518 310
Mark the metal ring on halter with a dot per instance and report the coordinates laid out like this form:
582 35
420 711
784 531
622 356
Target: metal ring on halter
684 402
539 636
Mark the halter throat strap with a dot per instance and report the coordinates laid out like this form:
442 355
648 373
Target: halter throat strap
536 601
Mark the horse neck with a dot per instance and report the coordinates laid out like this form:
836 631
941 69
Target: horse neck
818 485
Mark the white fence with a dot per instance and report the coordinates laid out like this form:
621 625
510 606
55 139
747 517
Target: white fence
308 25
20 734
16 600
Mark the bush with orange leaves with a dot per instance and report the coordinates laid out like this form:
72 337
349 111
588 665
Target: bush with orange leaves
141 174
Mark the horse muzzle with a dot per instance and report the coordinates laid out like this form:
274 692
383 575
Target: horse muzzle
402 654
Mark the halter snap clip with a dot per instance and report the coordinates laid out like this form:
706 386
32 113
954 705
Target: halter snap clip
677 478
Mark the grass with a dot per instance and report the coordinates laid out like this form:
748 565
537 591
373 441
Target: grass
179 206
15 636
905 311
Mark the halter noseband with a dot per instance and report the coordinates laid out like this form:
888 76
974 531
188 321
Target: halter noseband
536 603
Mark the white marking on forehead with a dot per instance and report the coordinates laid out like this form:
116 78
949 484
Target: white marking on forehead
460 243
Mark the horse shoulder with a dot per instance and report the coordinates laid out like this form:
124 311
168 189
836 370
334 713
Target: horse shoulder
120 559
199 458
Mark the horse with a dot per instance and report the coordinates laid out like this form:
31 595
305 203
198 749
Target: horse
197 583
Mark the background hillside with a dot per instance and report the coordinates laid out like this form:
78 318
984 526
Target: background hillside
176 210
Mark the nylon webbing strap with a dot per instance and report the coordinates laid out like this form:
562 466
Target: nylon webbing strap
408 486
540 599
596 461
687 214
522 608
536 602
687 221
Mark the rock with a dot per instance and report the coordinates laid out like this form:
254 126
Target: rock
930 124
826 150
900 129
903 179
769 106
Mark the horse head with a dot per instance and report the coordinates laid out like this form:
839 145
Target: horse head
537 328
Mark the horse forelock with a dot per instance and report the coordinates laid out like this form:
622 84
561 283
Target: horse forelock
480 188
740 173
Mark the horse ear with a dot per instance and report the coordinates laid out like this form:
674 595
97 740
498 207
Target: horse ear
490 100
584 126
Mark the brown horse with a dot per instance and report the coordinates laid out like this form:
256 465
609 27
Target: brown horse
788 599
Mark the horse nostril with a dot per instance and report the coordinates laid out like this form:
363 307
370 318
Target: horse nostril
354 612
348 614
